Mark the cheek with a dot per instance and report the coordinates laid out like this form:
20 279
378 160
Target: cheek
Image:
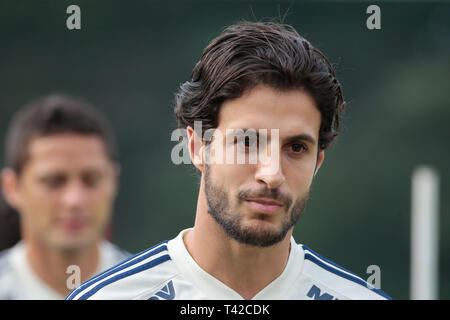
37 202
231 176
299 176
101 201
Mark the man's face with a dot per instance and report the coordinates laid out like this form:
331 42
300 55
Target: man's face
66 190
254 205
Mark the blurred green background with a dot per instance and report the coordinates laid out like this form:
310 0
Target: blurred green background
130 57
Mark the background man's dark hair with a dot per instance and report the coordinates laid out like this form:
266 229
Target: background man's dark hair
54 114
248 54
9 225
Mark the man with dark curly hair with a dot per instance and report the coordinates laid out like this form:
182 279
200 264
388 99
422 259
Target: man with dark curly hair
261 107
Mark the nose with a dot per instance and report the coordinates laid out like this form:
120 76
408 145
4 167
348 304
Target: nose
269 171
74 196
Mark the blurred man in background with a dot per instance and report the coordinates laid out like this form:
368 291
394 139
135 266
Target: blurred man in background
61 175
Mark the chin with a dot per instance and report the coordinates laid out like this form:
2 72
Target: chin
261 234
264 224
69 242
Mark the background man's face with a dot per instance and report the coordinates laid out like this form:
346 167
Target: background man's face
254 205
66 190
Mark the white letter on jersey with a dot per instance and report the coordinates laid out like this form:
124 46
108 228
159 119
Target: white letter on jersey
74 20
74 279
374 21
375 278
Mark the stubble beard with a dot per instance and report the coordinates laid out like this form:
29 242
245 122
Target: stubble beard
260 234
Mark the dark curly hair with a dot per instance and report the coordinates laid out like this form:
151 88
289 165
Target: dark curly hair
248 54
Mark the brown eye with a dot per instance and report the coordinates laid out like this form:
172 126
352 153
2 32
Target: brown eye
297 147
91 179
54 181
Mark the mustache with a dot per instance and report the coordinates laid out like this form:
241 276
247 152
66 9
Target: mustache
274 194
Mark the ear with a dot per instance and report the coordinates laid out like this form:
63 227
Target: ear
320 158
196 149
10 187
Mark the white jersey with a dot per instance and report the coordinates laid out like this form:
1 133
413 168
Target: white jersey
167 271
18 281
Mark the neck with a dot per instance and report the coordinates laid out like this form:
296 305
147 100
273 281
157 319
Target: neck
50 264
245 269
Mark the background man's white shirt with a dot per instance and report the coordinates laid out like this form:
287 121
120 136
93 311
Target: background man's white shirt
167 271
18 281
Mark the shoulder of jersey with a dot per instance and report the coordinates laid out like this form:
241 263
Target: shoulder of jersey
6 279
5 262
133 278
331 281
117 253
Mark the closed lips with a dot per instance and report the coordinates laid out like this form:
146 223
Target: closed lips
266 202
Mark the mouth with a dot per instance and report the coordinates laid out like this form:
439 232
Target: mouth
73 225
264 205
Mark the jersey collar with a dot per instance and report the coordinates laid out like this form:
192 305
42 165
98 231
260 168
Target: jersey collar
215 289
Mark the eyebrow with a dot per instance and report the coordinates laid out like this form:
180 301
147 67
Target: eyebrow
46 173
303 137
234 131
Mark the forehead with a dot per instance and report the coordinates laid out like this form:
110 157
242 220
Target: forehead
291 111
66 151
